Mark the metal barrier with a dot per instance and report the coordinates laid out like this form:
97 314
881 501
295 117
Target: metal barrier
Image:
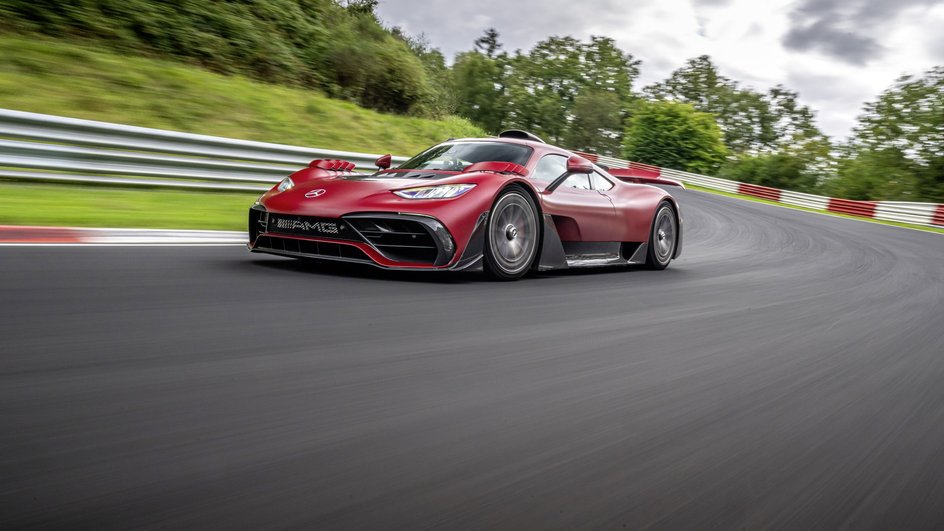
40 147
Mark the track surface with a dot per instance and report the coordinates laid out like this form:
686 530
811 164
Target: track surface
788 371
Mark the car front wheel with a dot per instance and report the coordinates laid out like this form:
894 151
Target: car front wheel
512 237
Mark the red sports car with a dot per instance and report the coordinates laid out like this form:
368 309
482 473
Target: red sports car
509 205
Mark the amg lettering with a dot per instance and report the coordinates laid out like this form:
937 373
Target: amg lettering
321 227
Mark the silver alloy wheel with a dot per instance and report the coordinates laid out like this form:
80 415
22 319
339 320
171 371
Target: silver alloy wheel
663 235
513 233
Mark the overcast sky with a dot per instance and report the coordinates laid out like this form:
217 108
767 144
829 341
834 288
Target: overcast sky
836 53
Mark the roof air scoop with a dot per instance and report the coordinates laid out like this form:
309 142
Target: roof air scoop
520 135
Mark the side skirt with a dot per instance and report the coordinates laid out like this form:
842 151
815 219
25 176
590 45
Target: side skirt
595 254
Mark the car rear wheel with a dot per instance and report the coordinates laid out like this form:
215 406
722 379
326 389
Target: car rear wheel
663 237
512 237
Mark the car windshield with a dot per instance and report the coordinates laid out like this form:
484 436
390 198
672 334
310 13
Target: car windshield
456 156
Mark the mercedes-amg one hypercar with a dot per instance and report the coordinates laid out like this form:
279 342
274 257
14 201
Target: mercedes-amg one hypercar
508 205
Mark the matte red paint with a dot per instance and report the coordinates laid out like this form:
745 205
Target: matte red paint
578 164
623 213
384 161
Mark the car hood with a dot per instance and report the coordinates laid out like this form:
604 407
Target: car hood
338 195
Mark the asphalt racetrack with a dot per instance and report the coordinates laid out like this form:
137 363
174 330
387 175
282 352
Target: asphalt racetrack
786 372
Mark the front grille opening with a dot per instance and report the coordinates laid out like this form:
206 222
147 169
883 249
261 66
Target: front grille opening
312 249
257 222
401 240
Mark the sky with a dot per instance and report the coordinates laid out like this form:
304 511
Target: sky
837 54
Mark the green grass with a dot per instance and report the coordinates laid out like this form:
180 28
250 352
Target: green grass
836 214
82 81
93 206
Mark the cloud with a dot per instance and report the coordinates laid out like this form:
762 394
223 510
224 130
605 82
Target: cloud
454 26
848 30
822 35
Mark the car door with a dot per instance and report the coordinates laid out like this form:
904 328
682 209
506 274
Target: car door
581 214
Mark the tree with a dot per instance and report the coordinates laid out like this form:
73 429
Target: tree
607 68
907 120
544 85
674 135
360 7
779 170
597 123
752 122
884 174
488 43
480 89
440 96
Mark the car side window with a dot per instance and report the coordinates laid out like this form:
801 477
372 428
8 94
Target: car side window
550 168
600 183
580 181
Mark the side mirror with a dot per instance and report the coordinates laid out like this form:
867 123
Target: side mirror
577 164
384 162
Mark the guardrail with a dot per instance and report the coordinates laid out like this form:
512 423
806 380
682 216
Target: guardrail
40 147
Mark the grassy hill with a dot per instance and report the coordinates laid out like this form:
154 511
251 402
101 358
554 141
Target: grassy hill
82 81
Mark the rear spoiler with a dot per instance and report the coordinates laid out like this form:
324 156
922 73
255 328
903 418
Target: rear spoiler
635 172
643 174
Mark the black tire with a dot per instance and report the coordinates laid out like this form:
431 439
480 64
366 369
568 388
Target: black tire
663 237
512 235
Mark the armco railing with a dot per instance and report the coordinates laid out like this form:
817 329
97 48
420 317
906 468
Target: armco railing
39 147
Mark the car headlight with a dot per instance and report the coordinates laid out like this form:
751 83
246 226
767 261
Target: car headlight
443 191
286 184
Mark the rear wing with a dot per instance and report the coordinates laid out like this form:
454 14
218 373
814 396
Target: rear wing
633 172
643 174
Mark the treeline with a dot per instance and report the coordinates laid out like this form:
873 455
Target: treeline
581 95
577 94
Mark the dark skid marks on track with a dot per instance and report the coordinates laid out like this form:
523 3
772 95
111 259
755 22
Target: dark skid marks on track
785 372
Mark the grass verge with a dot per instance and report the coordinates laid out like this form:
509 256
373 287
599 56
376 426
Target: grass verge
93 206
939 230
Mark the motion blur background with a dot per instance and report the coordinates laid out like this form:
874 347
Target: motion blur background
339 75
784 372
